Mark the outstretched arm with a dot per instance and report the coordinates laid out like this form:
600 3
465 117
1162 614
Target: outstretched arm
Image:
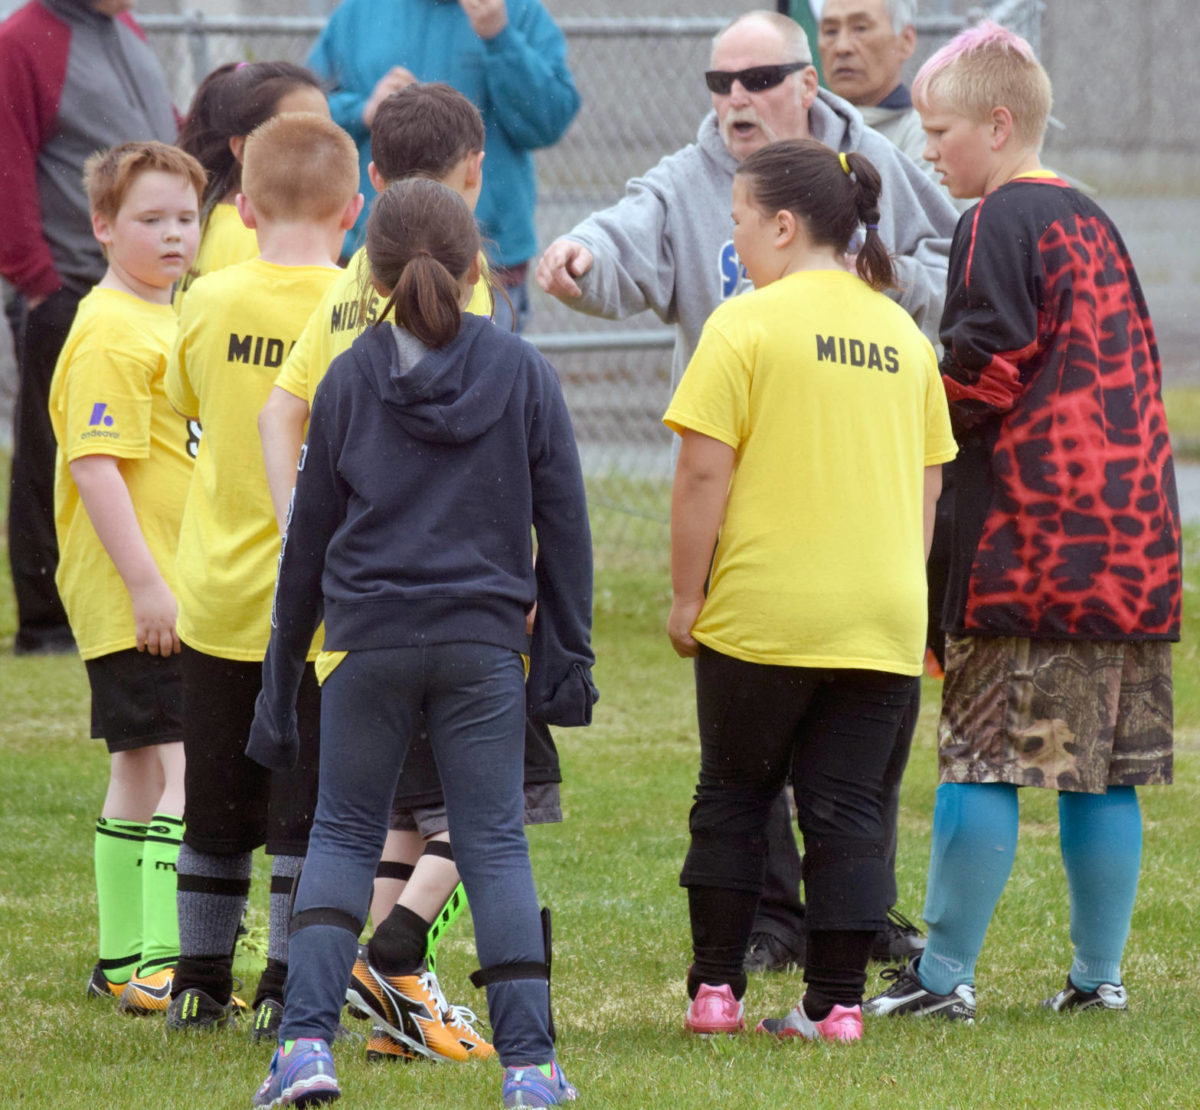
619 261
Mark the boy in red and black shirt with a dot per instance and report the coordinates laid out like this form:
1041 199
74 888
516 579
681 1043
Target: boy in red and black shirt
1065 580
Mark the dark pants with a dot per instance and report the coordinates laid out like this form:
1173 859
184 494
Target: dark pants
232 804
32 544
780 910
473 699
835 731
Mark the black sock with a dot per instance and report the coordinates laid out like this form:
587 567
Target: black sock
836 969
721 921
398 946
271 985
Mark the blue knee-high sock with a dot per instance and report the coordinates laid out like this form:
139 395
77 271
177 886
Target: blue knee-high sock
974 844
1101 838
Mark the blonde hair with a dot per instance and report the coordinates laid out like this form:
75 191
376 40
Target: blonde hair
987 67
109 174
299 166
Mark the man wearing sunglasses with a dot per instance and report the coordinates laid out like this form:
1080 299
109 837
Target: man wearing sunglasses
668 244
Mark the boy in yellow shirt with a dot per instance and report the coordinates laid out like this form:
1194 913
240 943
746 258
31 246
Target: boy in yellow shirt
300 194
423 130
123 468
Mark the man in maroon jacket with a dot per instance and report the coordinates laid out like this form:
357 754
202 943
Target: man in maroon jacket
76 76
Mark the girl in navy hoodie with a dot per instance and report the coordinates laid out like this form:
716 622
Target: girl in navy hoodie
437 446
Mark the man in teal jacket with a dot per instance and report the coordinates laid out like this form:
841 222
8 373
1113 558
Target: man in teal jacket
507 56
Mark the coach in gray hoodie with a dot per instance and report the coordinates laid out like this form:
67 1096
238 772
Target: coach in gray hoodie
668 244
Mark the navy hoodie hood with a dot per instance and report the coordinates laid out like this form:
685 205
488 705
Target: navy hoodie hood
447 395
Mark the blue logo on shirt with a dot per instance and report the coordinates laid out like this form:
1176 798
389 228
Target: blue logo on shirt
733 273
100 415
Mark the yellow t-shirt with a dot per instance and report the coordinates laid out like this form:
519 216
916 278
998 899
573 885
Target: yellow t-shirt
831 398
350 305
237 326
226 242
107 398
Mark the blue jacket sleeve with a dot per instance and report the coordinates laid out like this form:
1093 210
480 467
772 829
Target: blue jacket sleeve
528 80
346 103
560 690
318 507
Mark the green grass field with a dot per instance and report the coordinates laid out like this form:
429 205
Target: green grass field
610 874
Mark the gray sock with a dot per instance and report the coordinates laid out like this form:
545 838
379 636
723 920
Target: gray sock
211 899
284 871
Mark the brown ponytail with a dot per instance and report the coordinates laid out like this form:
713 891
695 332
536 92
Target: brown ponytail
421 240
831 193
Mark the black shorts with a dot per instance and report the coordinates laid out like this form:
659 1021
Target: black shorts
233 804
419 786
137 699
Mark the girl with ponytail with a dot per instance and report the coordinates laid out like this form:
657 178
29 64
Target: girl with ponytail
813 425
438 445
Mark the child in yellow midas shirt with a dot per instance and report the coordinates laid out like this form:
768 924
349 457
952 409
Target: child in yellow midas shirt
420 131
300 194
123 468
813 426
229 103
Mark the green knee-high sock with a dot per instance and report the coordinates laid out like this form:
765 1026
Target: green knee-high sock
160 920
118 852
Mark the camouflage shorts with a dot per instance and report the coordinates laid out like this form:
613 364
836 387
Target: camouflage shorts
1077 715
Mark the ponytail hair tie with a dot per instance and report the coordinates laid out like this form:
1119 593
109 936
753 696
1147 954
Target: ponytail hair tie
871 227
845 163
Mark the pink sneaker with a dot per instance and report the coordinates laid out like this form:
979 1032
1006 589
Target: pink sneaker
715 1010
842 1024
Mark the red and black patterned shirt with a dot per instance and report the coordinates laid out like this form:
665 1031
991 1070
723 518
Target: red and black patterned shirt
1066 513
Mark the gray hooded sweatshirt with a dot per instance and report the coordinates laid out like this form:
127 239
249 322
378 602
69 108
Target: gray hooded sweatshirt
667 245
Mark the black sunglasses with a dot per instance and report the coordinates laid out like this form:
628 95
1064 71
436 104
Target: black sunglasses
755 79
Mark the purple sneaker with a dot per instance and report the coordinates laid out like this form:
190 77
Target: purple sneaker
536 1085
301 1076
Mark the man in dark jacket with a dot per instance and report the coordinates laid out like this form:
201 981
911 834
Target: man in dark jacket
76 76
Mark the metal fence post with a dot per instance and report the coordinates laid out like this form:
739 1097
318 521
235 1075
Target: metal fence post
197 39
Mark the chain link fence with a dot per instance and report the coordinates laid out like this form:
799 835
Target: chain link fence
643 97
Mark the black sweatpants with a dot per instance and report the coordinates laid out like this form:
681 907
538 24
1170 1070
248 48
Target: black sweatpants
835 730
32 543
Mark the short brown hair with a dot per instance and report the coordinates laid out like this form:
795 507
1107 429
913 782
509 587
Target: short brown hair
986 67
108 174
424 130
299 166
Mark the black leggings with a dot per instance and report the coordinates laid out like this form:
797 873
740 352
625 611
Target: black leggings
834 730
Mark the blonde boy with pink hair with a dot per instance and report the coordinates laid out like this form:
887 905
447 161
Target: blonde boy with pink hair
1064 590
